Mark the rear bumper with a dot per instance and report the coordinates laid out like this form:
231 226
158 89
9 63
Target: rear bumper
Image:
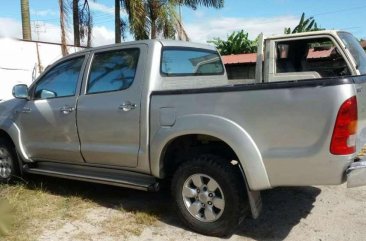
356 174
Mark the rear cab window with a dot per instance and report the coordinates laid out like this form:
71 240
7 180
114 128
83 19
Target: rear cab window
183 61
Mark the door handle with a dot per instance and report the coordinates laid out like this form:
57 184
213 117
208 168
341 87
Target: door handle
127 106
26 110
66 109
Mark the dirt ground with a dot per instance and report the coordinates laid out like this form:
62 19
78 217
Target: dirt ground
302 213
306 213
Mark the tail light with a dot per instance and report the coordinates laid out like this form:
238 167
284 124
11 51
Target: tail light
344 133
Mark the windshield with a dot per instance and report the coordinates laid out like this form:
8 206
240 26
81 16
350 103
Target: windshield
353 45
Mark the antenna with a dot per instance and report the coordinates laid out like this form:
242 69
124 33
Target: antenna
38 26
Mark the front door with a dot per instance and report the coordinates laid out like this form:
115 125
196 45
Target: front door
108 114
48 119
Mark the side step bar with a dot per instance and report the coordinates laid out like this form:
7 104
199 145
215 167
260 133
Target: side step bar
95 174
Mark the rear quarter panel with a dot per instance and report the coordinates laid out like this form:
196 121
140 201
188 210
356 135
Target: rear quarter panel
291 127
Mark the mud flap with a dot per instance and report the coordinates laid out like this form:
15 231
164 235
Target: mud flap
254 197
255 202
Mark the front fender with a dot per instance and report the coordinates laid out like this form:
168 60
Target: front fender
219 127
13 131
9 111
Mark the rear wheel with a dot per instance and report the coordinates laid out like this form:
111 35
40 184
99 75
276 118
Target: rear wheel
9 169
210 195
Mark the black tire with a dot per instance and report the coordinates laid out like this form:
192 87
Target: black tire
230 183
9 166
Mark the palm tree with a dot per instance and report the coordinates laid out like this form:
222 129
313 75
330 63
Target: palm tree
151 18
76 22
206 3
82 22
136 19
305 25
63 17
117 21
164 20
168 21
24 5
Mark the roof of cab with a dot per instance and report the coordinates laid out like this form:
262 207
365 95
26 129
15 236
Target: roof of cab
312 33
165 43
175 43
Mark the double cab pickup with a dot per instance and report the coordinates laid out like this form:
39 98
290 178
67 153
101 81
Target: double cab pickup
136 113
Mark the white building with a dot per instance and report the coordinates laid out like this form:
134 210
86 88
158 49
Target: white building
21 62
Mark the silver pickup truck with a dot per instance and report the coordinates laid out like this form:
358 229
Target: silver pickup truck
134 114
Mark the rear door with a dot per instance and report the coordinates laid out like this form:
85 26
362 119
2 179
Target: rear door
108 114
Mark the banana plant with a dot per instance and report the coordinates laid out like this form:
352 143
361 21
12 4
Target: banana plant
236 43
305 25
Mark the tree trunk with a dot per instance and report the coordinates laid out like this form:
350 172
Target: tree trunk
117 21
24 5
89 27
76 22
62 25
180 32
153 17
153 29
89 37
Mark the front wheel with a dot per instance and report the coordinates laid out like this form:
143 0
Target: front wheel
210 195
8 162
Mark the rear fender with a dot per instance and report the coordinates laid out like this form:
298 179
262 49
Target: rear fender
224 129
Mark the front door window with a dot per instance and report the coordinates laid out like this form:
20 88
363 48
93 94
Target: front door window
60 81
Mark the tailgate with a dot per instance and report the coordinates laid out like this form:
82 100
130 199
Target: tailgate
360 84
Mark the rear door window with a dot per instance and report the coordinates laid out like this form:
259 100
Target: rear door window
113 70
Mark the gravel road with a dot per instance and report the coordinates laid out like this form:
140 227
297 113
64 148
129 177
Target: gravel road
305 213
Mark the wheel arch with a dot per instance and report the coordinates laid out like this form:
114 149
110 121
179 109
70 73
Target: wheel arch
222 129
11 131
5 135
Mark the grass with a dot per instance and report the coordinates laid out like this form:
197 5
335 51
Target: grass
27 210
31 207
124 224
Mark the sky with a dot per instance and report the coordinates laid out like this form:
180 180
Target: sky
203 24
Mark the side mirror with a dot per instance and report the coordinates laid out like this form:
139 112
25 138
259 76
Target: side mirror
20 91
